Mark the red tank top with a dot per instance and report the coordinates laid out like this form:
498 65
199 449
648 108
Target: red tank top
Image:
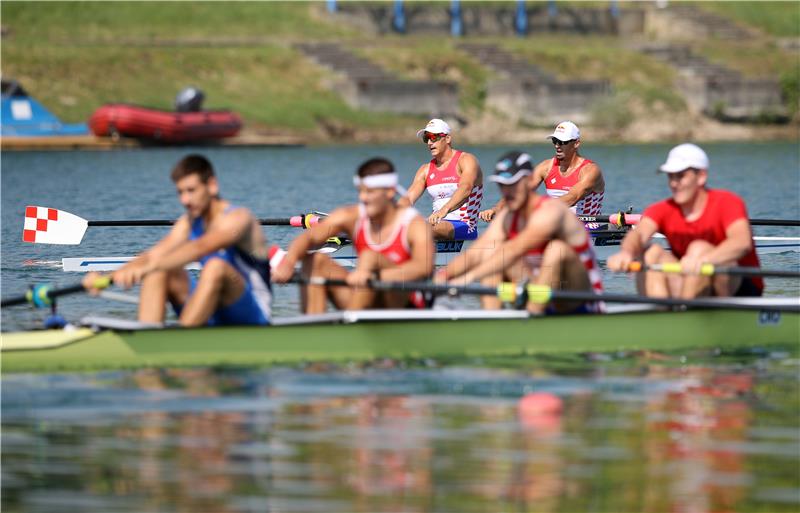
558 185
395 248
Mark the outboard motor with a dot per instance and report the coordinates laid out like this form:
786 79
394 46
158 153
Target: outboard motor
189 99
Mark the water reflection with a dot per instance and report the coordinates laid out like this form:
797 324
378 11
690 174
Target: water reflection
649 435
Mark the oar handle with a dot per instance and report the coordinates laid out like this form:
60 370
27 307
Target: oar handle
711 270
43 295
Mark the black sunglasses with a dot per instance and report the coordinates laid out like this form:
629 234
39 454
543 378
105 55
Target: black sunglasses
558 142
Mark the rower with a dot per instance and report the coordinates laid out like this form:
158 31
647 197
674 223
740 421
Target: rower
393 243
454 180
533 238
574 179
701 225
233 286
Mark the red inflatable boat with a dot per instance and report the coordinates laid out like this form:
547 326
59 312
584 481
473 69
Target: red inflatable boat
163 126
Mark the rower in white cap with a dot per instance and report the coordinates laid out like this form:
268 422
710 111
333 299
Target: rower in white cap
454 180
574 179
702 226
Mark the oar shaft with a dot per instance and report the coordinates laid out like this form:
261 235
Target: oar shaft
632 219
269 221
775 222
49 294
542 294
42 295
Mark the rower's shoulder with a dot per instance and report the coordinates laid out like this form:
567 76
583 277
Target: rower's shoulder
546 164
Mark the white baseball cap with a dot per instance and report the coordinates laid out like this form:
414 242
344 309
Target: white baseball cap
435 126
684 156
565 131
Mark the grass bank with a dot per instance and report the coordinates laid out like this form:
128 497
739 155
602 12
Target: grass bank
75 56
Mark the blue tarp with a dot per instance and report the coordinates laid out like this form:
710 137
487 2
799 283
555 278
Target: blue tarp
23 116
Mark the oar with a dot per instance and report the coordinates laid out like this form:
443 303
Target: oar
623 219
44 225
541 294
711 269
43 295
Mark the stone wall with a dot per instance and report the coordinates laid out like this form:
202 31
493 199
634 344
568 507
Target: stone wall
733 98
431 99
365 85
545 103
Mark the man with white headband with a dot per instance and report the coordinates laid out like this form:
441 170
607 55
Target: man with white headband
532 238
453 179
702 226
574 179
393 243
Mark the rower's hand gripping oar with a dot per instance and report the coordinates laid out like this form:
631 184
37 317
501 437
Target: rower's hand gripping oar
44 225
44 295
711 270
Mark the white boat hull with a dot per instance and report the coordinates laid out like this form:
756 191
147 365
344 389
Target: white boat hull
446 251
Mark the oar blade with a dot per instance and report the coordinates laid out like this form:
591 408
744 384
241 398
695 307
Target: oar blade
45 225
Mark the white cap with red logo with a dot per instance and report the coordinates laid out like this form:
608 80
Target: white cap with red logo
435 126
565 131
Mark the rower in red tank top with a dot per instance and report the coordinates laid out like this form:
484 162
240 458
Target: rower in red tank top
394 243
454 181
533 238
395 248
575 180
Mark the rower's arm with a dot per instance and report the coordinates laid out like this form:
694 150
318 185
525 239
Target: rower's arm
132 272
590 179
340 221
488 242
416 188
548 222
423 253
470 169
738 242
633 245
227 231
540 173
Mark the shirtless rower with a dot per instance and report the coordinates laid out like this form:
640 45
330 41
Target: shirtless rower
393 243
454 180
701 225
574 179
233 286
532 238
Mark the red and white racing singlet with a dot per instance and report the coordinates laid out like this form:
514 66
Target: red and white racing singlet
584 251
441 184
395 248
558 185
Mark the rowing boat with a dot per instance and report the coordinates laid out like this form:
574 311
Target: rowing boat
362 335
604 247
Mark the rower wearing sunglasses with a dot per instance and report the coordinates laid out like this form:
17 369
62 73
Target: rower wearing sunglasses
393 243
574 179
454 180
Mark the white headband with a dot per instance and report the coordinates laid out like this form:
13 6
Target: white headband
383 180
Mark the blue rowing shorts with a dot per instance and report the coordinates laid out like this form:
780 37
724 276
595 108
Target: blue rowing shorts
244 311
461 230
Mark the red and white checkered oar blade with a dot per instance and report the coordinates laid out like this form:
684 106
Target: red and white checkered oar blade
50 226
